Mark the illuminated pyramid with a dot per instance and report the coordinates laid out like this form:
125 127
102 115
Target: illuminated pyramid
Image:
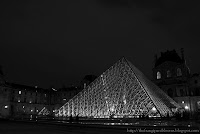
44 111
121 91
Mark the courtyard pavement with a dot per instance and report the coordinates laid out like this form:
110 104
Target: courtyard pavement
28 127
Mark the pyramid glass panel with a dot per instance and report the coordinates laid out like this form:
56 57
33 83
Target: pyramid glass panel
121 91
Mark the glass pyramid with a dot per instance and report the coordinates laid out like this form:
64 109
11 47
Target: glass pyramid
121 91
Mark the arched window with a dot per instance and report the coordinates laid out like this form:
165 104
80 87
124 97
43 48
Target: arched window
179 72
168 74
198 104
158 75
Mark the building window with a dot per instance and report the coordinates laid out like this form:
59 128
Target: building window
168 73
179 72
20 92
158 75
198 104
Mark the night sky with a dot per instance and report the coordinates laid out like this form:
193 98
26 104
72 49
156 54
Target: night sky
57 42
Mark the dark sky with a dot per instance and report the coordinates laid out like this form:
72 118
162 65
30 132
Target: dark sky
56 42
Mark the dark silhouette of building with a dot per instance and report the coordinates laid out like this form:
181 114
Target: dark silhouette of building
63 95
172 75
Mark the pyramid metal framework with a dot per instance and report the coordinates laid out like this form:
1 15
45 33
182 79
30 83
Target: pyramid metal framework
121 91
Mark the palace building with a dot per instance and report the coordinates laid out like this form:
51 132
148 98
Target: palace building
173 76
121 91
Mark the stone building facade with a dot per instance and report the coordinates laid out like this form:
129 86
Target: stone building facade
20 101
173 76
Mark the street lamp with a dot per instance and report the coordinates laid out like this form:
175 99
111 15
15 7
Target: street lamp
186 107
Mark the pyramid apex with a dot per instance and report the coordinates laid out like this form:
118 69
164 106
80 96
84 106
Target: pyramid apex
123 57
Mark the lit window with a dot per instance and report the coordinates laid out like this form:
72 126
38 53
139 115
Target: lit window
168 73
20 92
18 100
30 101
23 106
6 107
198 104
158 75
31 110
179 72
183 102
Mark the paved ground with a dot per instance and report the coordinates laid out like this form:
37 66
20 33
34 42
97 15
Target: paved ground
12 127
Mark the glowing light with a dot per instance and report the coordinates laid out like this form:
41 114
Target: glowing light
186 107
6 107
54 89
31 110
18 100
183 102
30 101
112 109
23 106
20 92
154 109
64 99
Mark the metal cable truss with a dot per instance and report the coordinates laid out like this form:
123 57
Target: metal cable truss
121 91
